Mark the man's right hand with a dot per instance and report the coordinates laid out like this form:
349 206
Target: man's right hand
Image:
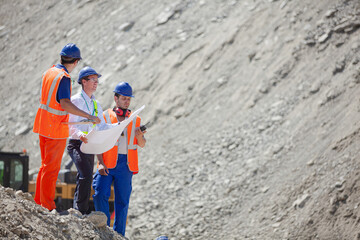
95 119
83 138
103 170
68 106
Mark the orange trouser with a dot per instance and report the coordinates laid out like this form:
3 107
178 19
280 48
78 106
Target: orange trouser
51 154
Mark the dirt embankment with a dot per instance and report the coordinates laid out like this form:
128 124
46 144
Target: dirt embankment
21 218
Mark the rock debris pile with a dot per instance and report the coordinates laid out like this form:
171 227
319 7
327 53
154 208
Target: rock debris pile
21 218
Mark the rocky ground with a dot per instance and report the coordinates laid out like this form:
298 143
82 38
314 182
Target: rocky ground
21 218
254 108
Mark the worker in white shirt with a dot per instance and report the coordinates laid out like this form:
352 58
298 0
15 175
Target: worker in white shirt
84 100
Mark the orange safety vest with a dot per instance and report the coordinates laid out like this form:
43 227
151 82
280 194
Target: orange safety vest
50 113
110 157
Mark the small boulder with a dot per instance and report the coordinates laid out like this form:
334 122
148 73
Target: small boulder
300 202
19 194
99 219
22 130
75 212
126 26
10 191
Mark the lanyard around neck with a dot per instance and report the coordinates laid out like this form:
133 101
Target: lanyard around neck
95 106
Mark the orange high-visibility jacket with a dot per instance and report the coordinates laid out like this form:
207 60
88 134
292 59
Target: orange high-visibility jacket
110 157
50 113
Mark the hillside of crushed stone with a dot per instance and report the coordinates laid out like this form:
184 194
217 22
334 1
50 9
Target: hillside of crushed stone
21 218
254 108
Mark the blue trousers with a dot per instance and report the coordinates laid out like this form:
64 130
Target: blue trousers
122 178
85 165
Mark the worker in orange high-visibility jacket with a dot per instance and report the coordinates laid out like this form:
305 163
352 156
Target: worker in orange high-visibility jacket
120 163
54 107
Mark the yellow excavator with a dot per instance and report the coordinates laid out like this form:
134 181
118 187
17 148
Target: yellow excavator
14 173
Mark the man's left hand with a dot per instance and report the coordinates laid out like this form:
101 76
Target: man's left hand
138 133
140 137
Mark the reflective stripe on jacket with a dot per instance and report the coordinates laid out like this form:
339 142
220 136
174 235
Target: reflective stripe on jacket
110 157
50 113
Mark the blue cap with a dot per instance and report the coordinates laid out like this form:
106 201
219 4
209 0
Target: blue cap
124 89
162 238
87 71
71 50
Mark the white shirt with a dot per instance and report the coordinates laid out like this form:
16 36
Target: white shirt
83 102
123 143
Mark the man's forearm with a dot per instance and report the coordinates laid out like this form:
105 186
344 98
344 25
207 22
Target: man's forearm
100 159
141 141
68 106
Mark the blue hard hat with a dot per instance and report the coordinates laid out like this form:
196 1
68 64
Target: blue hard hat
70 50
162 238
87 71
124 89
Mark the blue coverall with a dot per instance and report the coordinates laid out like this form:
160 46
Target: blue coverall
122 178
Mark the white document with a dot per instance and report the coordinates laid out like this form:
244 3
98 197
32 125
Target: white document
102 141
